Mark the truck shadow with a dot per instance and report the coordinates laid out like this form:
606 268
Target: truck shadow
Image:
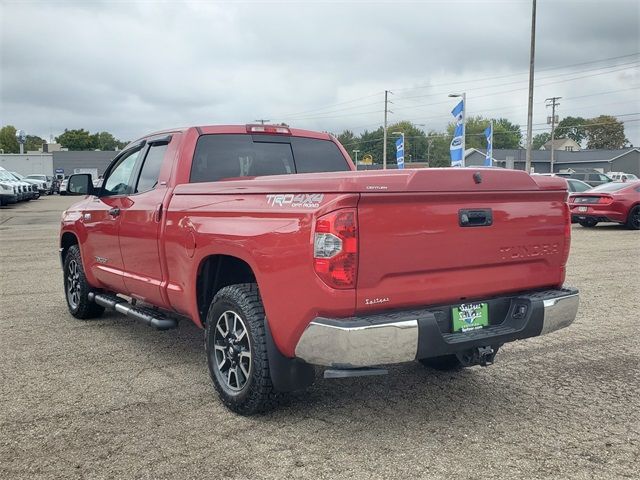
409 393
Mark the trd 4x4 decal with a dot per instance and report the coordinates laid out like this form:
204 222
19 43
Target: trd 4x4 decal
305 200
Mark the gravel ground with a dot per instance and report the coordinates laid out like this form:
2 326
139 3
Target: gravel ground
115 399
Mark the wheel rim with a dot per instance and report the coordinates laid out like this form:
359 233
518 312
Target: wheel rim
73 284
232 350
635 218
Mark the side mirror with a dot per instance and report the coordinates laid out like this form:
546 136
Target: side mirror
80 184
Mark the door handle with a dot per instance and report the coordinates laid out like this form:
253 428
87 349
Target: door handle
475 218
114 212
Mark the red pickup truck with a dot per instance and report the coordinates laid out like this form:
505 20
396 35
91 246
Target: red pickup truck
268 239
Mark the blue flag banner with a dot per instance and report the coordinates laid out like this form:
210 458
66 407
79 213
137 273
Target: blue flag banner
458 112
488 161
455 149
400 153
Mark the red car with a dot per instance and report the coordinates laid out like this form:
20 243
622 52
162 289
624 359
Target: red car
611 202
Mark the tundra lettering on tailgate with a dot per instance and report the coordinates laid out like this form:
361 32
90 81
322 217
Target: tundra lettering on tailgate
527 251
305 200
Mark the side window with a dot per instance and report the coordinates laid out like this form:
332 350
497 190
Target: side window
604 178
118 181
148 179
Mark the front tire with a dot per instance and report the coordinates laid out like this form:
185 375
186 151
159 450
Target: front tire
633 220
588 222
77 289
236 348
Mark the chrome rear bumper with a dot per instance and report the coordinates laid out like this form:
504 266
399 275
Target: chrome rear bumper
404 336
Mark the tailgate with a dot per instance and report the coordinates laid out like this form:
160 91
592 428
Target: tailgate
426 248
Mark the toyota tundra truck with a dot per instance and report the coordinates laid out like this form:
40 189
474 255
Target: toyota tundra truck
289 259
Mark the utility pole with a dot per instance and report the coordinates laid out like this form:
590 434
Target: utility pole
530 106
356 152
262 120
554 103
384 145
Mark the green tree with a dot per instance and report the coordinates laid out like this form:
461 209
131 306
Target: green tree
79 139
370 143
106 141
506 134
33 143
8 141
415 142
540 139
605 132
348 140
438 149
573 128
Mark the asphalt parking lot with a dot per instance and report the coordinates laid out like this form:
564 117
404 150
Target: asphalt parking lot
111 398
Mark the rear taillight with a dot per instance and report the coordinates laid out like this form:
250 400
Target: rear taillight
605 200
335 248
567 234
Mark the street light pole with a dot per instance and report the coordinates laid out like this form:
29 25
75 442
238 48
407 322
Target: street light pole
530 106
356 152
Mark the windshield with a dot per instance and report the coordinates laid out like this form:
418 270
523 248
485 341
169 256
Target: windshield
37 177
17 175
4 175
609 187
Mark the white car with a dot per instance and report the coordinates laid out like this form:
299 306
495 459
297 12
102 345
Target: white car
618 176
42 178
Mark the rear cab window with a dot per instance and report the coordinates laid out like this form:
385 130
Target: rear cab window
224 156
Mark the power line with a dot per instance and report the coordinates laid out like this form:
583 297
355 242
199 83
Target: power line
331 105
617 67
523 72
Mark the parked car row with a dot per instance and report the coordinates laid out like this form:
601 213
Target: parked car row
13 189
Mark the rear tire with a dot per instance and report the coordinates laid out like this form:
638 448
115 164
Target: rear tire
76 288
236 348
633 220
588 222
446 363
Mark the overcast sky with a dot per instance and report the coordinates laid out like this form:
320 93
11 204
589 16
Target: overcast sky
132 68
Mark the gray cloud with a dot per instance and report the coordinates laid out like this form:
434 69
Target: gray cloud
131 68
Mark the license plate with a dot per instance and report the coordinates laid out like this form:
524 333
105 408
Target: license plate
470 316
583 209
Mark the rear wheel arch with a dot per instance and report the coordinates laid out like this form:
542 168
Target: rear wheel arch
216 272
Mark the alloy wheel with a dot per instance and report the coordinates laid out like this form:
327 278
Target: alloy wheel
73 284
232 350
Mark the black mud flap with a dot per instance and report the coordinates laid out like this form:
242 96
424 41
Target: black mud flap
287 374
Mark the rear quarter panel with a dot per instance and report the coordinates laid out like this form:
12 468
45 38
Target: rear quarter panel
276 241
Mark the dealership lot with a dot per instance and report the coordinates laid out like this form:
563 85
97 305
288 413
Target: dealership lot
113 398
